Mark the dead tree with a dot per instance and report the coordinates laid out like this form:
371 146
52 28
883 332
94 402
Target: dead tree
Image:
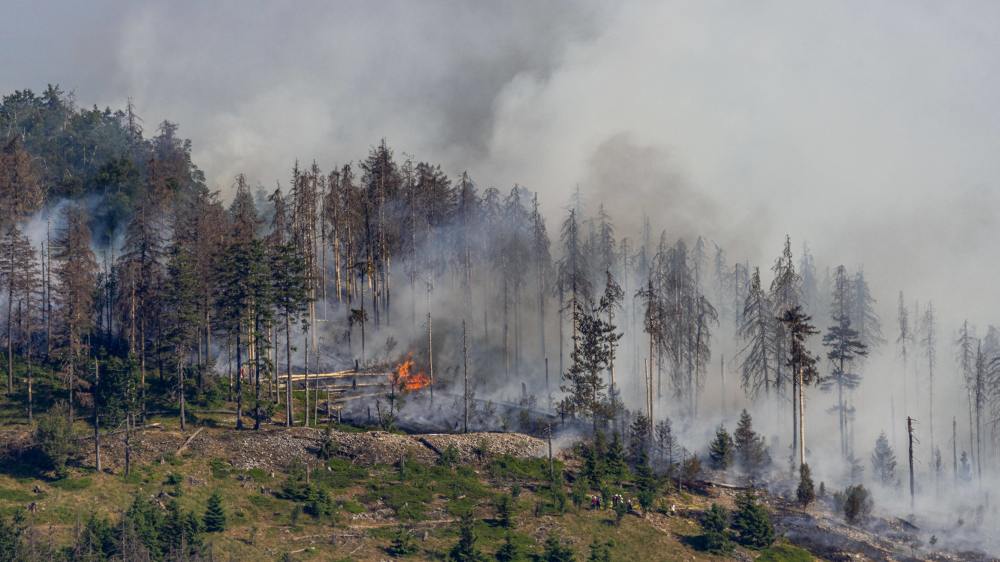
911 440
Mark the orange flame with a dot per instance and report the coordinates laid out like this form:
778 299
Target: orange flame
407 379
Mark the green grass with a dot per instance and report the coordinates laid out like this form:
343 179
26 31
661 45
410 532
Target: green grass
72 484
17 496
785 553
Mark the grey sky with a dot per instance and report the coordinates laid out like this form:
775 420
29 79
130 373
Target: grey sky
868 129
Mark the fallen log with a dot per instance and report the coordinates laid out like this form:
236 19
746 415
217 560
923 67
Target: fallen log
188 441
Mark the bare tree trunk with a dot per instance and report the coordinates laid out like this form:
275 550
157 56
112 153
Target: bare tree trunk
97 418
802 421
954 447
430 353
305 379
909 431
289 419
465 378
239 379
180 390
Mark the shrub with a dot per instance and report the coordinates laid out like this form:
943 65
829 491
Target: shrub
327 447
449 457
857 504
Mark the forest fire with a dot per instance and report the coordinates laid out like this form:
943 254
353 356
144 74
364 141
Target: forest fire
405 377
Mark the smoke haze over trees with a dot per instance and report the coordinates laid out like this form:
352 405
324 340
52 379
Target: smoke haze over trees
543 224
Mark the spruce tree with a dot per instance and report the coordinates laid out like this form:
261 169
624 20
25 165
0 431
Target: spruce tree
215 515
752 522
751 450
714 523
806 492
884 461
465 549
556 552
721 450
508 551
599 551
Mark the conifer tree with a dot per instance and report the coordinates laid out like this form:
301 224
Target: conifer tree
884 461
757 331
77 275
845 347
465 549
805 493
721 449
215 515
751 450
752 522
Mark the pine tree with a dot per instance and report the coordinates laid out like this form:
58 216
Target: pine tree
805 492
77 275
508 551
465 549
556 552
757 330
752 522
845 347
884 461
215 516
591 355
721 449
856 504
667 447
714 523
801 361
599 552
751 449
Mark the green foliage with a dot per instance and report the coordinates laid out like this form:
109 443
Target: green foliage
614 459
599 551
505 510
721 450
54 437
508 551
403 544
785 553
219 468
884 461
714 523
856 504
72 484
751 450
215 515
327 447
805 493
465 549
449 457
752 522
318 503
10 537
556 552
97 537
691 468
584 380
508 467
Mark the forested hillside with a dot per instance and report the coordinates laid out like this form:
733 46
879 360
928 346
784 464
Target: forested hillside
381 291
